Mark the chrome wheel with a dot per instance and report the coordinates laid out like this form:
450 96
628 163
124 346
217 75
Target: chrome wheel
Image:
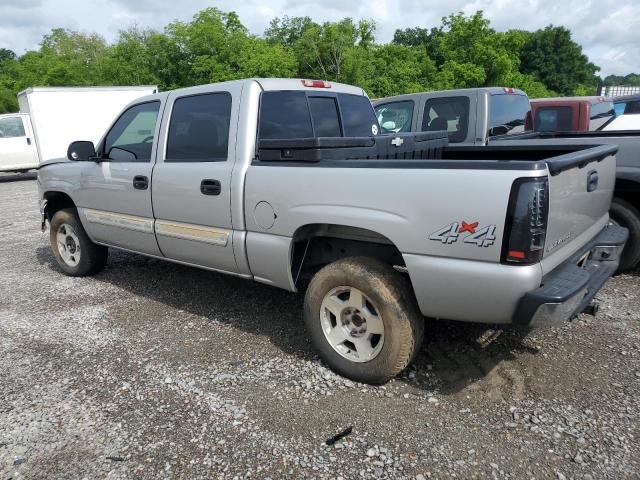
352 324
68 245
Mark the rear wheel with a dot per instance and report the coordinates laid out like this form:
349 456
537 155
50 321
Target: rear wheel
626 215
363 319
74 252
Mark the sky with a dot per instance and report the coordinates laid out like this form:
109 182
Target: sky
608 30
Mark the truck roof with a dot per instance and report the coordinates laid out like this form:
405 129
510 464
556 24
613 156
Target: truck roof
453 92
87 89
565 100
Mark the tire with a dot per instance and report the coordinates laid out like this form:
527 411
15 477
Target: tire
75 254
626 215
385 303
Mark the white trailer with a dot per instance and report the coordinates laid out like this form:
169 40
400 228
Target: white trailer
50 118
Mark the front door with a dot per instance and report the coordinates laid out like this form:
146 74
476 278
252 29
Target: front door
115 197
192 179
17 146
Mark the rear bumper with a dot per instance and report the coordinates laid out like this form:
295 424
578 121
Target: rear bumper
569 288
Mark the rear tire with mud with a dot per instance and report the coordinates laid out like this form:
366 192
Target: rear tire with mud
363 319
626 215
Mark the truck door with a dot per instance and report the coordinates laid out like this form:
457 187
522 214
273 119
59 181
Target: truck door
17 146
191 183
115 198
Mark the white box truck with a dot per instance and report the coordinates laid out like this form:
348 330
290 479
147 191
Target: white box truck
50 118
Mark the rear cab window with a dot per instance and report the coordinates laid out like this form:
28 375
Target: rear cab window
447 113
300 114
553 119
395 117
507 113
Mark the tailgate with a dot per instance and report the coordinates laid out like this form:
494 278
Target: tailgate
581 185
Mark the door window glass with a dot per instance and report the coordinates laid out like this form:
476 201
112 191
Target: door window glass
133 133
447 113
11 127
395 117
199 128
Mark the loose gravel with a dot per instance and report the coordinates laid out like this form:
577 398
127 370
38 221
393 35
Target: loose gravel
154 370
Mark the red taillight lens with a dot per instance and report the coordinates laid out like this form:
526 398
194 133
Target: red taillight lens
316 83
526 225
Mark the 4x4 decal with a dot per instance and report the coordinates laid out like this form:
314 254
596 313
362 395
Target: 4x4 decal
481 237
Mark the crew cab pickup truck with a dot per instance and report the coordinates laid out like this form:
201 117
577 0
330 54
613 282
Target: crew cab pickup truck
279 180
498 116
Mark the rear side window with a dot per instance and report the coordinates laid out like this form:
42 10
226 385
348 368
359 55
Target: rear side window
358 117
553 119
324 113
11 127
447 113
284 115
507 114
131 137
395 117
199 128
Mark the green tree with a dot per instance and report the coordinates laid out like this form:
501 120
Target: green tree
551 55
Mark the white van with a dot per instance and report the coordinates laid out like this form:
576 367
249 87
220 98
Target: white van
50 118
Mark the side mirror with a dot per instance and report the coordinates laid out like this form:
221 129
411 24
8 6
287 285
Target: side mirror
81 151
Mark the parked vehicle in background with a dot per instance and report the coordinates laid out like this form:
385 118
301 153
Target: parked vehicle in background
625 122
274 179
497 116
570 114
627 104
51 117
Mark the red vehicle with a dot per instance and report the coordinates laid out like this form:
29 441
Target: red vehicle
570 114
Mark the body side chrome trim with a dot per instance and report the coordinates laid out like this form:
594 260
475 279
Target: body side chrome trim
120 220
196 233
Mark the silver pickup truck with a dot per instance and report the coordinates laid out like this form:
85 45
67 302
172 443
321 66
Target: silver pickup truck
499 116
282 180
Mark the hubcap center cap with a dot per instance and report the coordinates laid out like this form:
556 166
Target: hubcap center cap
354 322
71 245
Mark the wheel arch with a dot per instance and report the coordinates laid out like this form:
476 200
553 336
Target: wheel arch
56 200
628 190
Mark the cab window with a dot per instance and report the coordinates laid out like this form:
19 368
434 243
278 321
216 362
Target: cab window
131 137
553 119
11 127
395 117
507 113
447 113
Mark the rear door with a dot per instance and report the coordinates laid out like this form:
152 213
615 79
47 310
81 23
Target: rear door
115 197
17 147
192 180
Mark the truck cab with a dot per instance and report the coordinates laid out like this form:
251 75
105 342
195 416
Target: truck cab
18 150
570 114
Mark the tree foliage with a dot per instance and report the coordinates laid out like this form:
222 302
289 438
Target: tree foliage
463 51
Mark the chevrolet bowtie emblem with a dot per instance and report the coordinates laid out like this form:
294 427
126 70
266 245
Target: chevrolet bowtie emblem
397 141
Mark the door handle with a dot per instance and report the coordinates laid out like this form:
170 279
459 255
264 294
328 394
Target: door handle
140 182
210 187
28 141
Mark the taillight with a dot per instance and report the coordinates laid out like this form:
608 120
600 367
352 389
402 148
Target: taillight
316 83
526 225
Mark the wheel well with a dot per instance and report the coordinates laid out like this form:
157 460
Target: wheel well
56 201
628 190
319 244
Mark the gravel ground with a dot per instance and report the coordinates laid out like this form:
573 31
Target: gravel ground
154 370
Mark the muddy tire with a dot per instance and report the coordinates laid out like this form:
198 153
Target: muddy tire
74 252
363 319
626 215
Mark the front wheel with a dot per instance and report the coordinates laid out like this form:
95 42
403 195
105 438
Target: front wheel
74 252
363 319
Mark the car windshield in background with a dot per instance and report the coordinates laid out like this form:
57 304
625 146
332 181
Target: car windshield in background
508 113
299 114
601 115
553 119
